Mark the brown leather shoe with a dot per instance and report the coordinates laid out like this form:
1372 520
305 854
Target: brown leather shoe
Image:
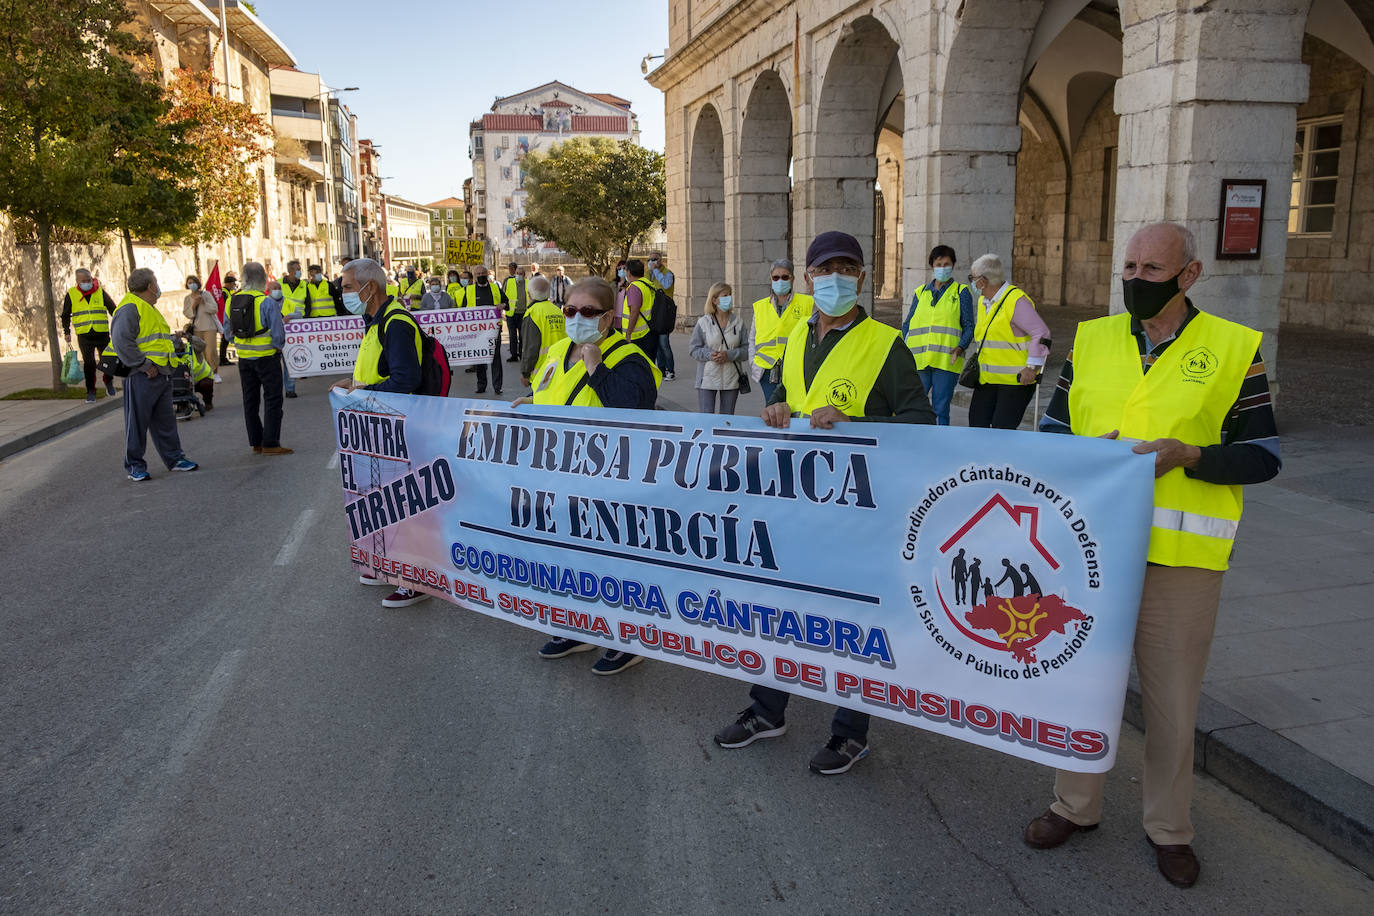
1050 830
257 450
1177 863
276 450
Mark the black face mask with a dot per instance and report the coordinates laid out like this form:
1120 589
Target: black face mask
482 281
1145 299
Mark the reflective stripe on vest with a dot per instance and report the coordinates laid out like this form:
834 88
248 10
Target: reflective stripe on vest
846 377
646 309
260 344
1186 395
293 300
771 329
548 318
933 334
154 335
89 314
559 385
1003 353
321 301
367 365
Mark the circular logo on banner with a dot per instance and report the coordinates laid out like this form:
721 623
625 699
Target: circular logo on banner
1199 363
1004 569
299 357
842 394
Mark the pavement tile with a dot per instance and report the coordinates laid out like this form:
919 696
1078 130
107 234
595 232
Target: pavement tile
1275 652
1285 700
1288 610
1345 743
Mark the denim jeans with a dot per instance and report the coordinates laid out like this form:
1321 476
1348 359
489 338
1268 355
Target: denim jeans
665 355
288 383
939 384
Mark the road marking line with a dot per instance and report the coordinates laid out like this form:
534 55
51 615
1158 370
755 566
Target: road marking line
293 540
333 462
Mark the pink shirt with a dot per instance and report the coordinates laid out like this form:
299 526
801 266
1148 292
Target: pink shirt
1026 321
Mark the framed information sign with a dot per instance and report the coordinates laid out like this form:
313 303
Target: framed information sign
1242 219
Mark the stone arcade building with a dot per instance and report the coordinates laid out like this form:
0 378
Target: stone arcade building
1044 130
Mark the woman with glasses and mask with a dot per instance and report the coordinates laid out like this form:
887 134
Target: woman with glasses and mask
1013 343
594 366
774 318
719 344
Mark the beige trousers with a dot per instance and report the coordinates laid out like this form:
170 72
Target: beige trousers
1178 613
211 348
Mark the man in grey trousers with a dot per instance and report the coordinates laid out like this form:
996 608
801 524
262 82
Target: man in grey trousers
143 341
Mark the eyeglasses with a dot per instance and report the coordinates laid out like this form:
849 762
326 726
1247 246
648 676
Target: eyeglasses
782 276
973 279
849 270
585 311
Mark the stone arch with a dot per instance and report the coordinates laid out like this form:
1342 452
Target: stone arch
765 184
705 210
1041 213
862 83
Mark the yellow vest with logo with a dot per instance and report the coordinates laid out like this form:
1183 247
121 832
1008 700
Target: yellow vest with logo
467 296
1186 395
548 318
89 315
154 335
933 333
771 329
1003 353
366 369
559 385
260 344
293 301
321 301
641 327
414 289
846 377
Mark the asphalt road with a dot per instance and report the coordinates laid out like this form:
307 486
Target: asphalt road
201 711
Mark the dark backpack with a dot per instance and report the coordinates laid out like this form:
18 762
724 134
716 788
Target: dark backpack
243 315
435 374
663 319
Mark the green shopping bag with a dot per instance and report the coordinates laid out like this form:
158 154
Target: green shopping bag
72 373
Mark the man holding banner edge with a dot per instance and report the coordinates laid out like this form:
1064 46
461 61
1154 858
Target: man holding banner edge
839 365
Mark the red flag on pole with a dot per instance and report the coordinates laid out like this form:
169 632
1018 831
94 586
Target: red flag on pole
216 289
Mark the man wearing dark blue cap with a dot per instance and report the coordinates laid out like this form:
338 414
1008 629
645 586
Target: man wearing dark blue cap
840 365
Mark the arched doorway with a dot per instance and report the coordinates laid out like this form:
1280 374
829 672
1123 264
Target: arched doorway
765 185
705 211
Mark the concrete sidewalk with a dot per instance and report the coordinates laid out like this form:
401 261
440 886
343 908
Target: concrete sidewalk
24 424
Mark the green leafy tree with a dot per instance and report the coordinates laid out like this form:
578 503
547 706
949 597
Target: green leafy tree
593 197
68 74
227 140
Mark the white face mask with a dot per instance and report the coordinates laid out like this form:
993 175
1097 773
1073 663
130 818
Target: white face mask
582 330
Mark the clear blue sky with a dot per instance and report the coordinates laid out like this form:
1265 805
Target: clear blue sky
425 68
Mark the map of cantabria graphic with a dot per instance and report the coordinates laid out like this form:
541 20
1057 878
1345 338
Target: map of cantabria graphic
1024 621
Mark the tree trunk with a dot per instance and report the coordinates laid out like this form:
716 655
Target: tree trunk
128 250
50 303
195 246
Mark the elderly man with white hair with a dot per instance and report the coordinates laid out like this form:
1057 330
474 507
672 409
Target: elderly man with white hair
1189 388
1013 344
388 360
259 334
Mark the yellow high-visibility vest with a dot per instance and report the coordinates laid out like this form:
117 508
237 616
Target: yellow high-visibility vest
641 327
366 367
467 296
293 301
260 343
154 335
1003 353
1186 395
321 300
455 290
89 314
568 386
846 377
933 334
413 290
548 318
771 329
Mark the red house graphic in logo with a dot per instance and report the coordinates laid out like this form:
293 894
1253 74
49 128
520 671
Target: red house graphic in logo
1022 620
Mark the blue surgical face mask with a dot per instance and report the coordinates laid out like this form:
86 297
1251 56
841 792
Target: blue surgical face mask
582 329
782 287
354 303
725 303
462 281
942 274
620 273
86 287
276 294
836 293
193 286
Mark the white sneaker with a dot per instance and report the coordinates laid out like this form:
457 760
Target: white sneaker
217 378
371 580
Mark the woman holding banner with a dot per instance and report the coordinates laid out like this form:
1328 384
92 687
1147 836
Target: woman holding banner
595 366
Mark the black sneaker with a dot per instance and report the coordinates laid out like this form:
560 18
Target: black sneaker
615 661
747 729
559 647
838 755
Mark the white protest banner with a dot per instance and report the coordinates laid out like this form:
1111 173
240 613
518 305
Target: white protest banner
328 346
982 584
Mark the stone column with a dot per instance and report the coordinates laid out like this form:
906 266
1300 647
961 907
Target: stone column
1210 93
